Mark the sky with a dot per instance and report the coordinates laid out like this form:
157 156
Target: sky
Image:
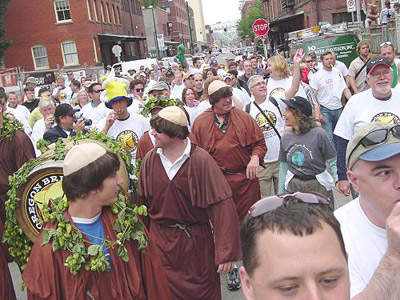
220 11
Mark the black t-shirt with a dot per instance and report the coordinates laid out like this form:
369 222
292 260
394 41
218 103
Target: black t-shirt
31 105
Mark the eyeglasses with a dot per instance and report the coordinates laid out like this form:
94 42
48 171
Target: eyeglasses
139 90
69 74
269 204
308 61
377 137
385 44
261 83
385 73
98 91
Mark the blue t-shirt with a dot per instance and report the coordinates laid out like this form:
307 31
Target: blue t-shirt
95 233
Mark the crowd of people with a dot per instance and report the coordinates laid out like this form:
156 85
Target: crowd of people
212 140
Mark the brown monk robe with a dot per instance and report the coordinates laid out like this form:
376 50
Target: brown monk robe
232 151
13 154
142 277
196 195
6 284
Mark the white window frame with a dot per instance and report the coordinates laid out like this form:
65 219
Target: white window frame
34 58
56 11
108 13
88 10
96 17
74 63
102 11
96 58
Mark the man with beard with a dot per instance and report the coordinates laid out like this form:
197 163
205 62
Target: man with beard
380 103
127 128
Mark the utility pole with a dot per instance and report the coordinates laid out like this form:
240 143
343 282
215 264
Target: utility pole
190 27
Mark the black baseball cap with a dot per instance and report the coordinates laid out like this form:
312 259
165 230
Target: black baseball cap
376 61
299 103
64 109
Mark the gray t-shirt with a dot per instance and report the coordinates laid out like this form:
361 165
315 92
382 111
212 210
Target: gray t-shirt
306 154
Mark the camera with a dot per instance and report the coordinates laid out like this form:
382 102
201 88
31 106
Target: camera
88 122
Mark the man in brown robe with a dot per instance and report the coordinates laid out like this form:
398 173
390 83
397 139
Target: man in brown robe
14 153
186 194
235 141
6 285
91 185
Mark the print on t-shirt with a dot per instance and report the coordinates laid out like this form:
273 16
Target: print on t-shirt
299 155
264 125
386 117
276 92
128 139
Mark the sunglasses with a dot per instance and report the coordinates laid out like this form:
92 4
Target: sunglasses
377 137
98 91
139 90
385 44
269 204
308 61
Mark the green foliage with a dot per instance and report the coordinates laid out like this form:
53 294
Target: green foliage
254 12
159 101
4 42
147 3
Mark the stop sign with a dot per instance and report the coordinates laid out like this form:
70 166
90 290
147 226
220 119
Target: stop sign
260 27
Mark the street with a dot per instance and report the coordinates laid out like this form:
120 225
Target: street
226 294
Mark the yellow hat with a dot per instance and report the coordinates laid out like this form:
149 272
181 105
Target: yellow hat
215 86
117 89
175 115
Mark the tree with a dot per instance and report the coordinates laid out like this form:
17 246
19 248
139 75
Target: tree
147 3
4 42
254 12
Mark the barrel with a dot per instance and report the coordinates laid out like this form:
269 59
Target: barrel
44 183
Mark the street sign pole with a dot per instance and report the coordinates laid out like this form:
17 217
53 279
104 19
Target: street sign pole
265 48
260 28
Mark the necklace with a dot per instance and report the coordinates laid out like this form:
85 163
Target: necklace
8 128
67 236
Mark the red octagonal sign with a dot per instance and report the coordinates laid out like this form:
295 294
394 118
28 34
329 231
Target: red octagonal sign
260 27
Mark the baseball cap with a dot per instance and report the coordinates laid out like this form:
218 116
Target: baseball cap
31 80
64 109
186 76
381 144
299 103
376 61
169 73
159 86
226 76
81 155
213 62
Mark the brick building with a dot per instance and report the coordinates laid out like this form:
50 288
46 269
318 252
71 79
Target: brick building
291 15
72 33
178 20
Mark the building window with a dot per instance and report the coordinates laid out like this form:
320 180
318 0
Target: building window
119 15
88 10
63 12
102 11
108 13
96 17
96 58
70 54
39 55
113 14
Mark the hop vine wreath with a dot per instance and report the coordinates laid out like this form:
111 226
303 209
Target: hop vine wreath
19 244
160 101
8 128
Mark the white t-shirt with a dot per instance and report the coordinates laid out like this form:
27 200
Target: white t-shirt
342 68
329 86
38 130
241 95
364 108
176 92
22 109
20 117
365 243
95 113
127 132
271 138
136 106
277 87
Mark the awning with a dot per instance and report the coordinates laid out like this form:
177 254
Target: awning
107 37
285 18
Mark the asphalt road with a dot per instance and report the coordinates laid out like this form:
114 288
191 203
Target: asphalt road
226 294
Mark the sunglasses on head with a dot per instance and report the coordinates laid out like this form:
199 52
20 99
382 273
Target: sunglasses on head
385 44
269 204
376 137
139 90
